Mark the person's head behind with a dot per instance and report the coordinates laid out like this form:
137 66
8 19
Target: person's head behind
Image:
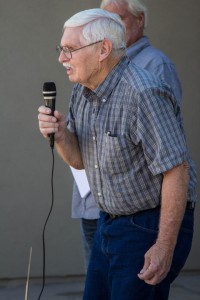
96 40
134 15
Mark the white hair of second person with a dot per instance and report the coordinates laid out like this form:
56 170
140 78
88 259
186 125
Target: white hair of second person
99 24
136 7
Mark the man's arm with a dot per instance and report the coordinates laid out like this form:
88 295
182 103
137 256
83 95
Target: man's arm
65 141
68 148
173 203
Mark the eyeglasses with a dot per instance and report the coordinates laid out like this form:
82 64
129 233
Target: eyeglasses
68 52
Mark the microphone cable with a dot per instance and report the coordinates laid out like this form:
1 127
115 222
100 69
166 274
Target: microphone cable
43 234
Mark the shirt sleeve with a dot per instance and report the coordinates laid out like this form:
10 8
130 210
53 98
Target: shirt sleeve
70 116
168 73
159 131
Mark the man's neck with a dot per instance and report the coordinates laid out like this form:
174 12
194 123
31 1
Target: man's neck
105 68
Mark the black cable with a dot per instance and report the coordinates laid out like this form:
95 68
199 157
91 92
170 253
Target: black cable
43 234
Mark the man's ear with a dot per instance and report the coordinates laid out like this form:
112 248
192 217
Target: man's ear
141 20
106 48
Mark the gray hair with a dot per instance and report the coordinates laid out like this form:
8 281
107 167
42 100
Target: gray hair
99 24
136 7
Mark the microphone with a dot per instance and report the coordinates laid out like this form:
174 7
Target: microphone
49 94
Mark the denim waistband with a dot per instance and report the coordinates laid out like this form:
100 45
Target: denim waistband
189 206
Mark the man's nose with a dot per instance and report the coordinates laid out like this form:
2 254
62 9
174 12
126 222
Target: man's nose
62 57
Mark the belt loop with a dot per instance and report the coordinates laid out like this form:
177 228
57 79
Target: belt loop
190 205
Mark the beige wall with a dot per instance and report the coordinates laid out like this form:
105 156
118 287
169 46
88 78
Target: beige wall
29 31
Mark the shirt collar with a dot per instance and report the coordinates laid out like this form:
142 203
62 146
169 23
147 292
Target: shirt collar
137 47
106 87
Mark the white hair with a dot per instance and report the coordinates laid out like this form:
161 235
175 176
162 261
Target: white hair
99 24
136 7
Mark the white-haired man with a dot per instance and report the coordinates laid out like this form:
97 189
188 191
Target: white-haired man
134 15
124 127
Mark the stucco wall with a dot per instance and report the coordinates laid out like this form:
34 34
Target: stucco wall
29 31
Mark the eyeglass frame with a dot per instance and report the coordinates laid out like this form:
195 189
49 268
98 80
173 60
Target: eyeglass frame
67 51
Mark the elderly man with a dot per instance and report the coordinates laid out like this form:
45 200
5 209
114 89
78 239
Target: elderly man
134 16
124 127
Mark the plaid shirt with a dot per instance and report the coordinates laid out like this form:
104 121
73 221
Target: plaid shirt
129 130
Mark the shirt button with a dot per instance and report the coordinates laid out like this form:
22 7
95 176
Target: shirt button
99 194
96 166
103 100
94 138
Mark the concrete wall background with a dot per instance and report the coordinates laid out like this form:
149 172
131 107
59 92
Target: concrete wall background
29 31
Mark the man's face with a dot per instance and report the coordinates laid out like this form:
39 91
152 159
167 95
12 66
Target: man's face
83 66
134 25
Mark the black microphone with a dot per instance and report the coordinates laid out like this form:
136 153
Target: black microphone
49 94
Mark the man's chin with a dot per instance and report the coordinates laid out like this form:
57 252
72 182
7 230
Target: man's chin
72 79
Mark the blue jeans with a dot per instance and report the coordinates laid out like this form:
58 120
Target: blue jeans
88 228
118 256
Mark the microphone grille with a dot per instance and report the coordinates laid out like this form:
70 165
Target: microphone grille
49 89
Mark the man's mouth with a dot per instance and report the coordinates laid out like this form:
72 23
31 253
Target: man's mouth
67 66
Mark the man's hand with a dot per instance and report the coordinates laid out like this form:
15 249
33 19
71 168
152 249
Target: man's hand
51 124
157 263
66 142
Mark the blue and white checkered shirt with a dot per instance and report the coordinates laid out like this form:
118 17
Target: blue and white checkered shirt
129 130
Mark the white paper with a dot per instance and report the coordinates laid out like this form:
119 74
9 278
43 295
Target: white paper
81 181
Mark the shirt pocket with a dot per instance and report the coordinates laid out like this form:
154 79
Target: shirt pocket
117 155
